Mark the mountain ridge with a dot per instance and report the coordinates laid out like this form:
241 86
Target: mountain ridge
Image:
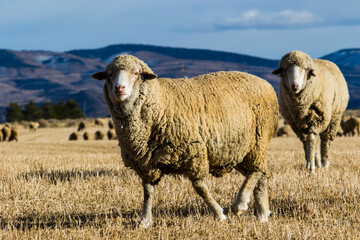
41 76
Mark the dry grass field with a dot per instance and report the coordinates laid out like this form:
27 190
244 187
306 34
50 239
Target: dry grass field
51 188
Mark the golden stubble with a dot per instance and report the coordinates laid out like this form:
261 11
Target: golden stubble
52 188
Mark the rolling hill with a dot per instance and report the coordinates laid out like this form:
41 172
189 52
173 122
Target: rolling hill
54 76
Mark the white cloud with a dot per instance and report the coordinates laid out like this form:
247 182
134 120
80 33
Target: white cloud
270 20
285 19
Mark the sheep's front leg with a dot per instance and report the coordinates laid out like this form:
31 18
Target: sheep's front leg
311 142
201 189
149 191
247 188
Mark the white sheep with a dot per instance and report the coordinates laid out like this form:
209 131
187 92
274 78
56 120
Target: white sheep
212 123
313 95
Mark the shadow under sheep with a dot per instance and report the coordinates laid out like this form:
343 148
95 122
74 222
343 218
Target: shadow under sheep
97 220
55 176
280 207
61 220
284 208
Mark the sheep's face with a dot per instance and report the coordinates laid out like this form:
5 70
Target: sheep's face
123 77
123 83
295 69
295 78
120 82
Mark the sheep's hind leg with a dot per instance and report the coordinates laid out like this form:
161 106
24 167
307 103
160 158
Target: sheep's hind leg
325 145
318 153
306 155
262 199
201 189
247 188
149 191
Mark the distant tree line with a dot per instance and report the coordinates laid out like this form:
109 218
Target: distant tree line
32 112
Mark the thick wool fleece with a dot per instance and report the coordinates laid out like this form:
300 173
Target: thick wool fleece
208 124
319 106
298 58
128 63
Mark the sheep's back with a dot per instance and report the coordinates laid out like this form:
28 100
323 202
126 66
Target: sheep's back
334 82
227 111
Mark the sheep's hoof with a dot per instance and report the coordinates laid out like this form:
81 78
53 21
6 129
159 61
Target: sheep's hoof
326 165
238 211
144 223
264 217
221 218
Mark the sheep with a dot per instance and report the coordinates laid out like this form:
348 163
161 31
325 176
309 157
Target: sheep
14 134
99 122
351 125
1 136
209 124
86 136
6 131
33 126
81 126
99 135
111 134
73 136
313 95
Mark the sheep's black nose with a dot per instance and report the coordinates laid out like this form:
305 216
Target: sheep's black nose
295 87
120 88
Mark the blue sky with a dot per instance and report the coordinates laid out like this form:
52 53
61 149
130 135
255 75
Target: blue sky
260 28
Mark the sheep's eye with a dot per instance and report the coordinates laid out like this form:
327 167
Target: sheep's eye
309 74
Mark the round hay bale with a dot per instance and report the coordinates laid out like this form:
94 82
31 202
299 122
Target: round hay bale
73 136
99 135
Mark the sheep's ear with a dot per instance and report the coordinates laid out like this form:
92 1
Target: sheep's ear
277 71
149 75
312 73
99 75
